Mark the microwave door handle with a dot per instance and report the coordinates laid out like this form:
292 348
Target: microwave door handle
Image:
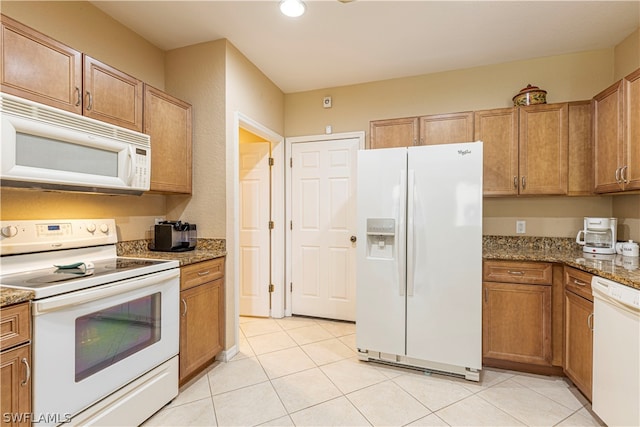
132 166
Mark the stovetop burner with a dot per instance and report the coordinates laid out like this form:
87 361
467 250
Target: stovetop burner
54 281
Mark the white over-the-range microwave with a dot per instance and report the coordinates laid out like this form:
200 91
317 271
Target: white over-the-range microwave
43 147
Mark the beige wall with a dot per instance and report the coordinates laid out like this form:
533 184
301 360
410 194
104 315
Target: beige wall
627 55
85 28
565 78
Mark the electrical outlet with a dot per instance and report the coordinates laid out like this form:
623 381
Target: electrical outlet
521 227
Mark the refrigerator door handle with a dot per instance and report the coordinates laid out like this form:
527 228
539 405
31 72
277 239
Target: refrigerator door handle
410 232
402 205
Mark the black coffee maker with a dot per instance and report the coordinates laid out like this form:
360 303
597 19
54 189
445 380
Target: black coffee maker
174 236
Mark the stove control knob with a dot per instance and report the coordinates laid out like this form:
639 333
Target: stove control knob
9 231
104 228
91 228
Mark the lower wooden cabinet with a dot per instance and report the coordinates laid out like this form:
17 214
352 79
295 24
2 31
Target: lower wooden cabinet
516 313
15 365
578 330
201 316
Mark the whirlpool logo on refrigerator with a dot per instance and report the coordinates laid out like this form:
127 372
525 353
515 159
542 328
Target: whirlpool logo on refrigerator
464 152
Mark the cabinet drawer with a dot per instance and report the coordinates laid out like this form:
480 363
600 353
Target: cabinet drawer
15 325
202 272
578 282
535 273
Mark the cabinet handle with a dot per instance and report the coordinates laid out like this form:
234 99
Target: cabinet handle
78 96
618 175
90 105
486 295
524 182
579 282
516 273
185 306
515 182
623 174
28 376
203 273
590 322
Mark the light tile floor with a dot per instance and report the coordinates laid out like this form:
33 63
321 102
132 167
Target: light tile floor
304 372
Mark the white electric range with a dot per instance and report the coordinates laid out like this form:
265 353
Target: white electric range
105 328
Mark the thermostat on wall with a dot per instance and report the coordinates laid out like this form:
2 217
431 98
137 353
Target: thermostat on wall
326 102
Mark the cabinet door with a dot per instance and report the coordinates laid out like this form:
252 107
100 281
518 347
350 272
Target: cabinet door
498 130
544 146
580 179
632 137
516 323
608 138
578 343
393 133
201 326
36 67
15 396
168 121
446 128
111 95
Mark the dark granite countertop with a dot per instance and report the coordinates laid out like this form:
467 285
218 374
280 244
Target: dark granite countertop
620 269
206 249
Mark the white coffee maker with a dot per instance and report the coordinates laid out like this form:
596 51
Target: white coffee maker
599 235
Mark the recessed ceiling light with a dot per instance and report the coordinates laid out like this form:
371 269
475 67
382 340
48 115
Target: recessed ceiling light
292 8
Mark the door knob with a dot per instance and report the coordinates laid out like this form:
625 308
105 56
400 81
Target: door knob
353 239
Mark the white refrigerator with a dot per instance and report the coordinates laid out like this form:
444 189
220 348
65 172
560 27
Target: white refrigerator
419 257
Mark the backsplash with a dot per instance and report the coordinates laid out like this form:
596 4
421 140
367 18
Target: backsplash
140 247
528 242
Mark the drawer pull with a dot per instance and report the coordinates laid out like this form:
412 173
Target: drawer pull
579 282
203 273
516 273
26 380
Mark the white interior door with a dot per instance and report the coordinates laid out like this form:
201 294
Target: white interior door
323 214
254 228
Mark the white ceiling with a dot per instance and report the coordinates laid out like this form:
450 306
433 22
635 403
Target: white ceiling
336 44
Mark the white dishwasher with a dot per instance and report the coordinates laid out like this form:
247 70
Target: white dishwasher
616 353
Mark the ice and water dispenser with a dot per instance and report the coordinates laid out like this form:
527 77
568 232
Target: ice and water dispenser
381 238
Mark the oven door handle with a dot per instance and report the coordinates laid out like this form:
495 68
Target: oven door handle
93 294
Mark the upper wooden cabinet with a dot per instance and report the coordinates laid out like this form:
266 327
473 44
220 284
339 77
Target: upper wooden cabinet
525 149
111 95
392 133
41 69
424 130
38 68
580 179
168 121
616 136
446 128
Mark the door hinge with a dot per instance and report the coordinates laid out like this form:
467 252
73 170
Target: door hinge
271 288
290 162
271 161
272 225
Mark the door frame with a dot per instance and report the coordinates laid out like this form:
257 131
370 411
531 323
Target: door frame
240 120
288 202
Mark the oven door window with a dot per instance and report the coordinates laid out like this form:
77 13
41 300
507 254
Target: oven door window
107 336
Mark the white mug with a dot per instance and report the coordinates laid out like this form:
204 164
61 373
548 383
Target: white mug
630 248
